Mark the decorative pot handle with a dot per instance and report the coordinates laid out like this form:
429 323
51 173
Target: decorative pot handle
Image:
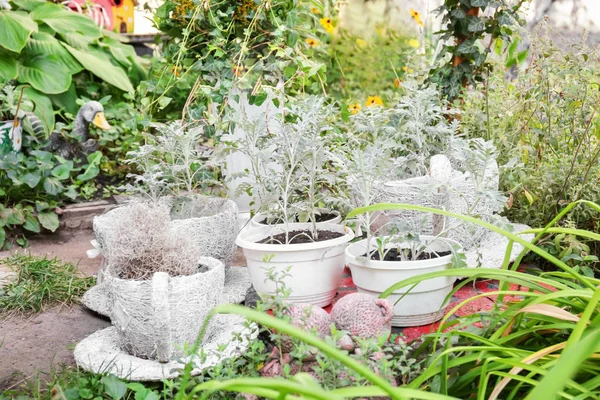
161 316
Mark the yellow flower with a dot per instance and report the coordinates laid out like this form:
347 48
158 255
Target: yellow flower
238 70
361 43
374 101
397 82
416 16
354 108
311 42
327 24
408 70
315 10
414 43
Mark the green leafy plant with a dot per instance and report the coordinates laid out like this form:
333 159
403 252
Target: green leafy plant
212 47
545 125
41 283
468 22
44 45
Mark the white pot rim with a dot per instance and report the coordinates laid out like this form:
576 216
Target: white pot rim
355 250
260 215
247 238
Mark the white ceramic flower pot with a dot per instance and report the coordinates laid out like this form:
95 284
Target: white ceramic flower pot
316 268
424 304
256 221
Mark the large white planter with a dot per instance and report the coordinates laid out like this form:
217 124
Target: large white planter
424 304
255 222
316 268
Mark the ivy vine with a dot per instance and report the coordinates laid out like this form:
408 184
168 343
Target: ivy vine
470 23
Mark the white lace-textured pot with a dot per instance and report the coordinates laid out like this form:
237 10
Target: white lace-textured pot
210 222
256 221
155 318
316 268
424 304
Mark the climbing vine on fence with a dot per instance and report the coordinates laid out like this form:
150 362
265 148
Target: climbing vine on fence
476 26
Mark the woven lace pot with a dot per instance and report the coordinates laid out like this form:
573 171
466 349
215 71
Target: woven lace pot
256 221
210 222
156 318
316 268
423 304
420 191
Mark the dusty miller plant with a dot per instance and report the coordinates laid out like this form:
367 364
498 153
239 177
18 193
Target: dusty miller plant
171 162
288 159
421 130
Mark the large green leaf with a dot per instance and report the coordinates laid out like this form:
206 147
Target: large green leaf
66 101
43 108
62 20
31 223
45 73
8 65
96 62
127 57
28 5
46 44
77 40
49 220
15 29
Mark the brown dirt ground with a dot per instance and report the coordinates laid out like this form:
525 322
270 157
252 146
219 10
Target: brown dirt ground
36 345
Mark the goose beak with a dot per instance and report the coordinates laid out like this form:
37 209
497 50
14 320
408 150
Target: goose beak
100 121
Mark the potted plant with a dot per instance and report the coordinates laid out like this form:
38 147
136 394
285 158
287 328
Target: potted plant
159 286
289 167
172 171
394 246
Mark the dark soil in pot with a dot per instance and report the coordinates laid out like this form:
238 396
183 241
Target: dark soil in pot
323 217
394 255
301 236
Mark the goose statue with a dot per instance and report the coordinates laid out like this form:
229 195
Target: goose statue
62 145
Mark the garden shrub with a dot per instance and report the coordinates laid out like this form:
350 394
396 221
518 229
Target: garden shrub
46 45
546 126
52 61
210 47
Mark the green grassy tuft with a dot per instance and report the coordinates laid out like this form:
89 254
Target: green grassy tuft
41 283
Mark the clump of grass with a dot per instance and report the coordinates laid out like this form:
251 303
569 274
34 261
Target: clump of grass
40 283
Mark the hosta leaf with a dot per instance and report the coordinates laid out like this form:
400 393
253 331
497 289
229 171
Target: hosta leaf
77 40
31 224
45 44
95 62
16 27
28 5
44 73
49 220
62 20
43 108
8 66
66 100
